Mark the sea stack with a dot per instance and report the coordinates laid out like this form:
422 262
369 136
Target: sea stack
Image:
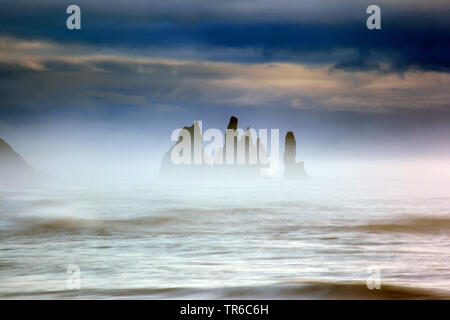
233 123
245 162
13 167
292 169
170 170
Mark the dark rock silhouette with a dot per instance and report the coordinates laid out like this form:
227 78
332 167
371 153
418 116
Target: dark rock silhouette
170 170
249 157
241 166
292 169
13 167
212 168
233 124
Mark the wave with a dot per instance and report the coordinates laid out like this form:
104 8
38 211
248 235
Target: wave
44 225
416 224
296 291
41 226
432 225
31 226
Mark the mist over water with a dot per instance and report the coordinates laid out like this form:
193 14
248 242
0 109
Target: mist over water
207 239
100 206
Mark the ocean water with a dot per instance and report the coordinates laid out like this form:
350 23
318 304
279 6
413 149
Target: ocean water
316 239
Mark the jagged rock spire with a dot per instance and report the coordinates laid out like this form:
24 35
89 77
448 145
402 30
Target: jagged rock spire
292 169
233 124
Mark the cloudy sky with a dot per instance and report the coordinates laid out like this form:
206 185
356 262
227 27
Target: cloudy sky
139 69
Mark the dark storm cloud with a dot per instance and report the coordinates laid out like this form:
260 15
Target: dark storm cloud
36 79
298 54
9 70
318 32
